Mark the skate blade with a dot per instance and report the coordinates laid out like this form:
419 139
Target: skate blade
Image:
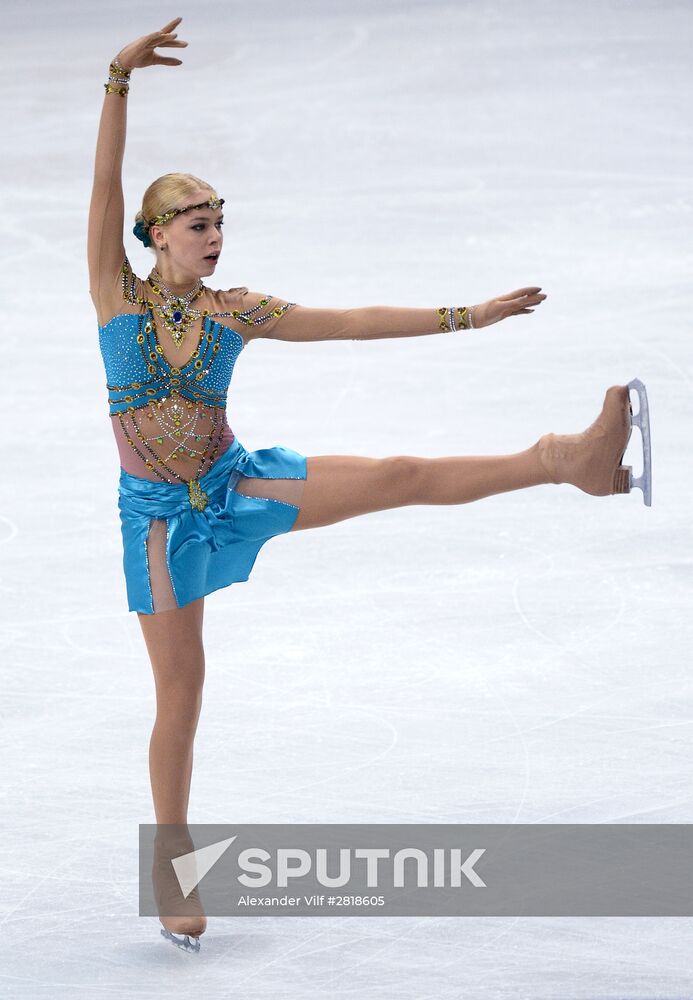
642 420
185 942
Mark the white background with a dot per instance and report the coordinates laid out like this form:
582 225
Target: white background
525 658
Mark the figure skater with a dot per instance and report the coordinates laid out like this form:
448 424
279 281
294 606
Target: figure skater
195 506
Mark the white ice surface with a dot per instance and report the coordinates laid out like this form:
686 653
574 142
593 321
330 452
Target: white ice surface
526 658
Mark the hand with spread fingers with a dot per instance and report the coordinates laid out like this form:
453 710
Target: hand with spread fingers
141 53
513 304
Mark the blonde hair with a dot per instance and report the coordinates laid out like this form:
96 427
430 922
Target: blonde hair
168 192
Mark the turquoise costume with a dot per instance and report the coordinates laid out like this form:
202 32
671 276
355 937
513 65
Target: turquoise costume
213 533
210 548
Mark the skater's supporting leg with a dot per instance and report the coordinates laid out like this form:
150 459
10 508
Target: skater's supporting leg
174 644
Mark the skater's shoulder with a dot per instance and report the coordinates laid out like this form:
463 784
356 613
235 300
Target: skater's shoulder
254 313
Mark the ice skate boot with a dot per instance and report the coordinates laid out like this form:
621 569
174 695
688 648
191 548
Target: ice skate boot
592 460
182 917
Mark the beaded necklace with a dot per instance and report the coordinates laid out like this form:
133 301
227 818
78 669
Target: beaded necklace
176 313
247 316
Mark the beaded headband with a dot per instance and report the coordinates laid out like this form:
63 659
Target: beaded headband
141 227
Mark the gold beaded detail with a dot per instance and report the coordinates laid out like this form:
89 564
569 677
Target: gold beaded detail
178 433
249 319
115 69
198 497
161 220
118 79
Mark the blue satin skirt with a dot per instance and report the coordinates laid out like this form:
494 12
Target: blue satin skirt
209 548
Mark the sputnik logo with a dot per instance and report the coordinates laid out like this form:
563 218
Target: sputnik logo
191 868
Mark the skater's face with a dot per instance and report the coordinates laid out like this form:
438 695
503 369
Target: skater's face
191 237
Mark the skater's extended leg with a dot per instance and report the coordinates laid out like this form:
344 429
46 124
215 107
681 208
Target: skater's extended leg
342 486
174 643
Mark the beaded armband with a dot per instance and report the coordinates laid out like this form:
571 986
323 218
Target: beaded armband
250 319
451 316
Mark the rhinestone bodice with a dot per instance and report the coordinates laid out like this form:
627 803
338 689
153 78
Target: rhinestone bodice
137 371
169 420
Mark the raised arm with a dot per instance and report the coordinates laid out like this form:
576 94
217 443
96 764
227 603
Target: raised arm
288 321
105 247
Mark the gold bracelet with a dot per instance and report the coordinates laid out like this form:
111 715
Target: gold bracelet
117 70
110 89
449 321
464 316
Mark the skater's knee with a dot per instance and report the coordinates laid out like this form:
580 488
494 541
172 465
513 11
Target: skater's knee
178 707
179 674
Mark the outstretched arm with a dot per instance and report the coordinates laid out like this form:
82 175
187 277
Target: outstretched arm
105 247
300 323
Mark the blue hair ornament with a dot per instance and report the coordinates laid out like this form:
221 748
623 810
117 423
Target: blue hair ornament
141 232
